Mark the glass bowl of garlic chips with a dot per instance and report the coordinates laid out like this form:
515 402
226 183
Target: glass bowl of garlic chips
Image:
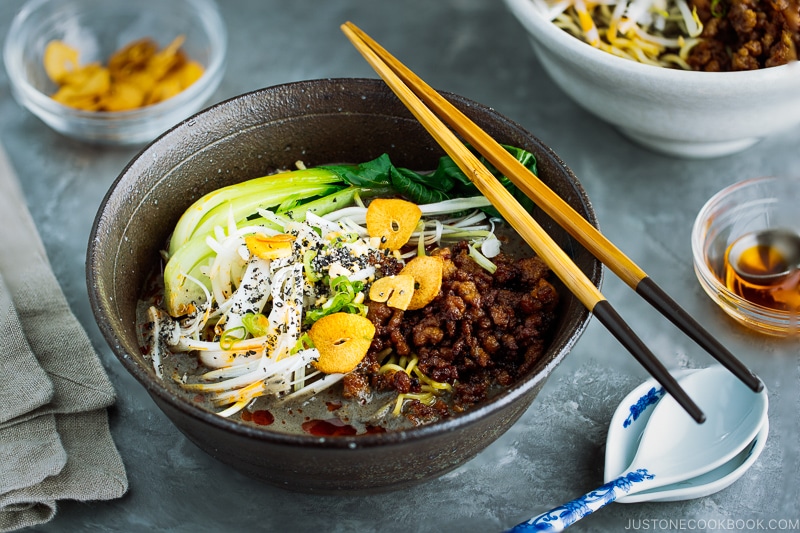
115 72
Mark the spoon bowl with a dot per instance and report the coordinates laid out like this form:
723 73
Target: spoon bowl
674 448
765 257
625 431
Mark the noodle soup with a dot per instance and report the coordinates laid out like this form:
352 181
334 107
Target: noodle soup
353 311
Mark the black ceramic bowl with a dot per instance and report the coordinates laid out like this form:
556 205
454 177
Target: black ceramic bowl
318 122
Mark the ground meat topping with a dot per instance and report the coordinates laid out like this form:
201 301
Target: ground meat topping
746 34
481 330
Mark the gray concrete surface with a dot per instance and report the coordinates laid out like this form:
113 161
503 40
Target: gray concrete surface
645 202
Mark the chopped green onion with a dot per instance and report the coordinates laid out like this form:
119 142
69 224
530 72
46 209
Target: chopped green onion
230 336
482 260
343 294
303 343
311 274
256 324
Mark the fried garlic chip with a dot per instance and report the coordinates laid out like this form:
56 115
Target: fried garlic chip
132 57
393 220
123 96
84 88
60 59
273 247
396 291
137 75
427 273
342 340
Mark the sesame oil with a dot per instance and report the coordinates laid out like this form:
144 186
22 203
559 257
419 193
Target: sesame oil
762 275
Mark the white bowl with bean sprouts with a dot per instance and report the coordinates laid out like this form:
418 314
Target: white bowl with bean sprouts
658 103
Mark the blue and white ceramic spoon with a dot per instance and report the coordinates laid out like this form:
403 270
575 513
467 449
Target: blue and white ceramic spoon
674 447
626 428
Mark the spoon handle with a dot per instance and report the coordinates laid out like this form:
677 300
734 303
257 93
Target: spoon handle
563 516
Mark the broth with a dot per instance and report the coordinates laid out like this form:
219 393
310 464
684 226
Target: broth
266 316
325 413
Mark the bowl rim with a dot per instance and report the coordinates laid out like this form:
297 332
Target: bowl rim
213 26
544 32
508 396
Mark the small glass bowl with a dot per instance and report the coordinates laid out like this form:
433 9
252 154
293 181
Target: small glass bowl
749 206
97 28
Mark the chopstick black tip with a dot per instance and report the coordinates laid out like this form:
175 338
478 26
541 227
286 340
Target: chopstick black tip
655 295
606 314
692 409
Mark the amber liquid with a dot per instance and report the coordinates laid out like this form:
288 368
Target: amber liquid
759 260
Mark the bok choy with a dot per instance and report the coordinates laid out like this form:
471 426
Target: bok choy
290 196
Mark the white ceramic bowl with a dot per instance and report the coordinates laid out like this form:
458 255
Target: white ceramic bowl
97 28
676 112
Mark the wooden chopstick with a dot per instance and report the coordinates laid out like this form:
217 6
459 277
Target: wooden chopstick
541 242
560 211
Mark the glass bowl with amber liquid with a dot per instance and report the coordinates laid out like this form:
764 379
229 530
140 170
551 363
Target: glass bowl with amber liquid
741 258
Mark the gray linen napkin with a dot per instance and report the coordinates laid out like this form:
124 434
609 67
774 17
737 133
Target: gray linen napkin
55 442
